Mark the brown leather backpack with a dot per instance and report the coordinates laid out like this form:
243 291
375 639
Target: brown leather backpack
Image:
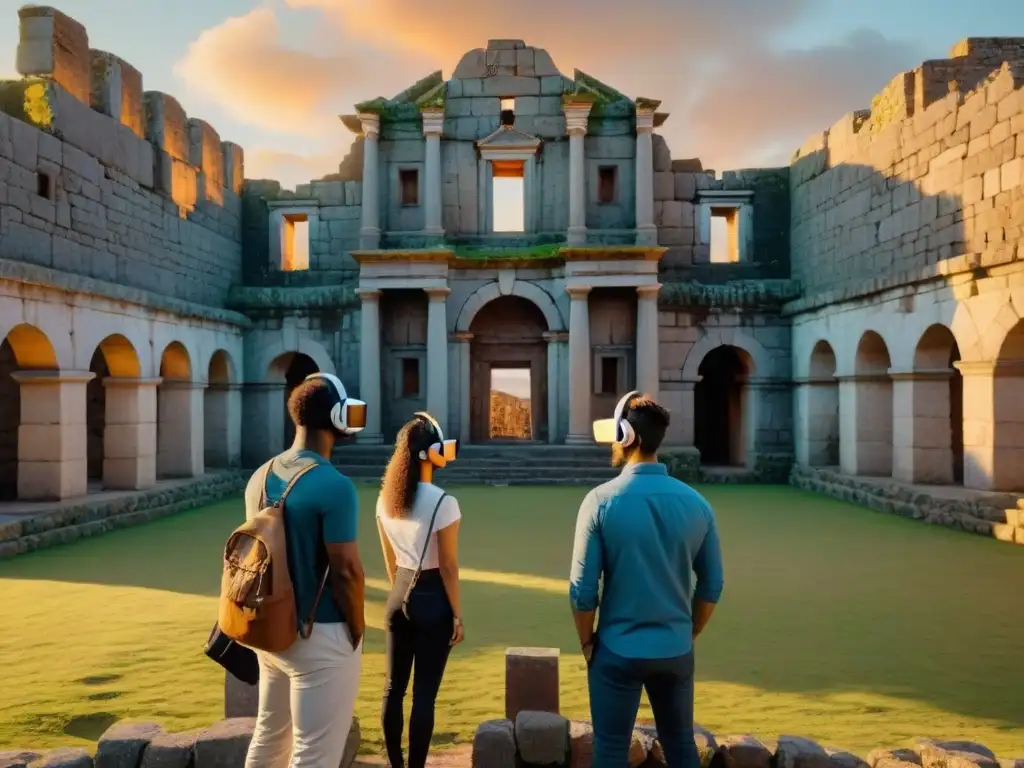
257 600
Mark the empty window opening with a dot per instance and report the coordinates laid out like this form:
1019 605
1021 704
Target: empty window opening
725 235
508 111
609 383
508 196
409 179
410 377
44 185
607 176
294 242
511 417
720 407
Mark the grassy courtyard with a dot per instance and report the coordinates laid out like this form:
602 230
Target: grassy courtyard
851 627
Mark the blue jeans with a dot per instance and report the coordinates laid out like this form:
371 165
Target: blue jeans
615 685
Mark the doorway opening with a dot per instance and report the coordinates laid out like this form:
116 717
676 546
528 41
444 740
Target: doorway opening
720 407
510 404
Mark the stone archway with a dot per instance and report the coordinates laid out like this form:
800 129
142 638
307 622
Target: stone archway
222 413
179 416
508 336
722 413
295 367
817 411
1007 413
870 451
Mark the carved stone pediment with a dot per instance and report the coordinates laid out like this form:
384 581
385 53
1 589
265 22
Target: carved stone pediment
508 139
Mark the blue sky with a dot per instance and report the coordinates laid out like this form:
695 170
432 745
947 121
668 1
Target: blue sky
746 80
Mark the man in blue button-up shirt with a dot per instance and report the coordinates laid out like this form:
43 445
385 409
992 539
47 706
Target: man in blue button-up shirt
652 539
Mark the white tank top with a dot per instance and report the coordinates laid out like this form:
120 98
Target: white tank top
408 534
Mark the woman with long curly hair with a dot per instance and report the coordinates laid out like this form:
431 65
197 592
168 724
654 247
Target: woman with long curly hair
418 525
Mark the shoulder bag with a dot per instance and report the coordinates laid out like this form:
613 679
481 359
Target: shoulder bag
423 554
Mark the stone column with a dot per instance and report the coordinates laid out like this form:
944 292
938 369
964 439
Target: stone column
816 421
921 437
576 116
847 424
865 416
433 127
556 341
52 436
437 354
580 363
646 231
129 435
222 412
179 431
369 232
263 409
981 422
648 370
462 343
369 365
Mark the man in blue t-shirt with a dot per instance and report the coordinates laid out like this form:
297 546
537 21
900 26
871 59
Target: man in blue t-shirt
645 535
307 692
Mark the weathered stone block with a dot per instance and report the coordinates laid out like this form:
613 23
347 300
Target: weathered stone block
123 744
662 154
117 91
685 186
224 744
167 125
240 699
705 740
64 758
797 752
531 680
840 758
955 754
494 745
581 744
205 151
542 738
234 167
664 185
472 65
17 759
893 758
552 85
508 86
543 65
525 62
741 752
54 45
486 106
642 747
170 750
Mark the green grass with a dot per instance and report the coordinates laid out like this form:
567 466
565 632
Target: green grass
854 628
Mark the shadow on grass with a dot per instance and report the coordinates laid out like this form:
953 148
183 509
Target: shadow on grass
821 596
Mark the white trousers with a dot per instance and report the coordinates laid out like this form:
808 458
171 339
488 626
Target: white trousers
307 698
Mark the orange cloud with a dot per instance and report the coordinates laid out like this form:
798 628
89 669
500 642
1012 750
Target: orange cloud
289 168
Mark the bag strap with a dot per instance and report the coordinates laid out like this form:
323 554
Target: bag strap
423 553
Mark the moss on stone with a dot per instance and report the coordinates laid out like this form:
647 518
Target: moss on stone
531 253
766 295
647 104
434 98
373 106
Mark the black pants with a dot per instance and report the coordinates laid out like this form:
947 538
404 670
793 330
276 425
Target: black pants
424 638
615 684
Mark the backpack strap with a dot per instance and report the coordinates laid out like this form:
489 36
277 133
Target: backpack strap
423 554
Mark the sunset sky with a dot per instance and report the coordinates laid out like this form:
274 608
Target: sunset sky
745 80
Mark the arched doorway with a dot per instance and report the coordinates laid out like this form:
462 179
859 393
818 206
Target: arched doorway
221 404
508 372
96 414
178 426
820 410
936 429
1008 413
120 427
296 367
873 408
721 409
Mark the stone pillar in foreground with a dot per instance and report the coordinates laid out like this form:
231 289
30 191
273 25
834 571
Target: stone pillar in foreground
576 115
462 344
369 365
980 425
646 231
222 413
52 437
580 426
922 438
129 434
437 354
556 343
433 127
648 371
264 414
369 231
180 432
531 681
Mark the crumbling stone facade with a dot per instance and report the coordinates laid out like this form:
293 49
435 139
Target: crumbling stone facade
857 311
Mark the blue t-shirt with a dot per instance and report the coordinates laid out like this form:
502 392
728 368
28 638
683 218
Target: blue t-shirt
653 542
321 508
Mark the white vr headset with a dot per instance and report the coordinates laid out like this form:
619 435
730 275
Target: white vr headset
441 452
348 415
617 429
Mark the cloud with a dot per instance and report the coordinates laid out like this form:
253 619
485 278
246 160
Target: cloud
289 168
737 98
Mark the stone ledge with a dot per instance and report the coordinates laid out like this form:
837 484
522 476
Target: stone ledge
306 298
86 518
769 468
763 295
981 515
54 279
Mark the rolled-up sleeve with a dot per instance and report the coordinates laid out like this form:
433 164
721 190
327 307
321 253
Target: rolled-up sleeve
587 557
708 566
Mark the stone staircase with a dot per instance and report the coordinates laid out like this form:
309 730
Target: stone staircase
1013 529
494 464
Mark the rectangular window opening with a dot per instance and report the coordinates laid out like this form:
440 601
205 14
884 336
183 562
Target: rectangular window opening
725 240
609 376
508 203
510 403
295 242
44 185
607 176
410 377
409 180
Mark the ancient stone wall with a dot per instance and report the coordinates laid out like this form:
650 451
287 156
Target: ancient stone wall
926 182
105 180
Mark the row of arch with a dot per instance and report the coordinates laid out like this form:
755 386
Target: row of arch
931 424
135 430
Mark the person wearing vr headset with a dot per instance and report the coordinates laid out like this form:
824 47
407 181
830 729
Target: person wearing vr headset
418 525
307 693
651 543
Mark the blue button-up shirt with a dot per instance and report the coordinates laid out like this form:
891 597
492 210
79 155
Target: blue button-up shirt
653 541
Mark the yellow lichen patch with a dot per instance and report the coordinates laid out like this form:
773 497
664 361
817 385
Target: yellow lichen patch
37 105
